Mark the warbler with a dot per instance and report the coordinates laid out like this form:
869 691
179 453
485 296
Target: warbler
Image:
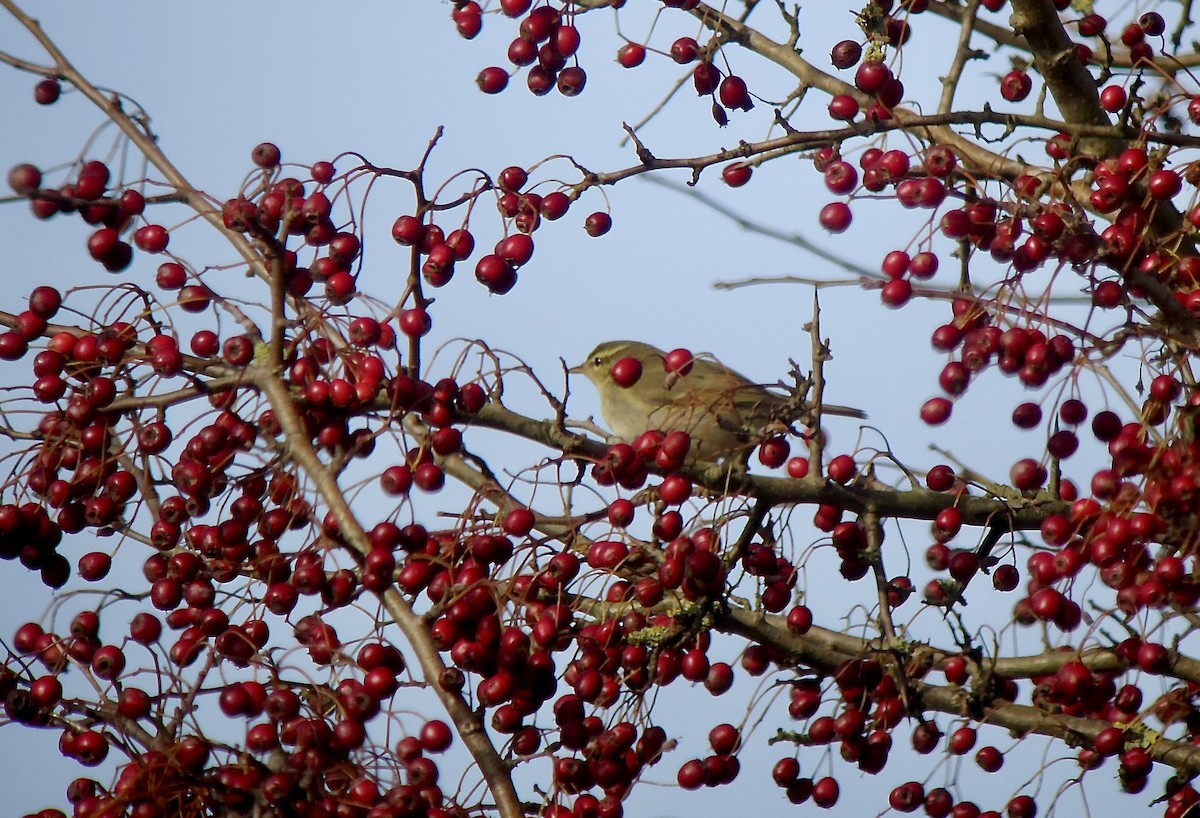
720 409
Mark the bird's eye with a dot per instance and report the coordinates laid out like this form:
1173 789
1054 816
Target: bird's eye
596 361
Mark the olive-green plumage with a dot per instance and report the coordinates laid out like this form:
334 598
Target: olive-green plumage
720 409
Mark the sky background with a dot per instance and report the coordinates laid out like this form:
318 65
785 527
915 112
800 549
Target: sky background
378 78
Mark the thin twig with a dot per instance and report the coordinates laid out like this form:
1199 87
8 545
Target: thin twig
962 55
751 226
816 441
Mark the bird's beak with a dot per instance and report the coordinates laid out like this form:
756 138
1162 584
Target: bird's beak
576 370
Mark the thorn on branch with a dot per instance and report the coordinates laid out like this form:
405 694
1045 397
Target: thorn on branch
643 153
437 136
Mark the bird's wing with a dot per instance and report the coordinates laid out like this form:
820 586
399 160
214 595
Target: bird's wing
727 394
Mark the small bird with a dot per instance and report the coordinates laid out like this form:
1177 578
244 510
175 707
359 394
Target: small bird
719 408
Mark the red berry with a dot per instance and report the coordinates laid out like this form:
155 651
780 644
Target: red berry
396 480
734 94
1028 475
1005 577
797 467
845 54
429 477
631 55
571 81
774 452
518 522
736 174
492 80
436 736
872 76
692 775
1112 98
266 155
46 692
495 273
47 91
1164 184
1015 86
323 172
895 264
923 266
843 106
684 50
626 372
907 797
554 205
825 792
408 231
1109 741
705 78
896 293
785 771
24 179
415 322
836 217
678 360
515 8
799 620
842 469
517 249
153 238
94 566
512 179
597 224
1027 415
566 40
841 177
936 411
102 243
940 478
44 302
989 758
108 662
1092 25
1152 23
962 740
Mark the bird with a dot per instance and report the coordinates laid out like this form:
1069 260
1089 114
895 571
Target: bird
721 410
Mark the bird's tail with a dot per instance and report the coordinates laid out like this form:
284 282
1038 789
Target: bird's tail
843 411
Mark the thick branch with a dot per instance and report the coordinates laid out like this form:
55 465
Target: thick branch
1020 513
1056 59
1002 35
824 650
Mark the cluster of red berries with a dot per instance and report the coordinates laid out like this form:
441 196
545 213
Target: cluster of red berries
89 195
439 252
920 186
547 40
